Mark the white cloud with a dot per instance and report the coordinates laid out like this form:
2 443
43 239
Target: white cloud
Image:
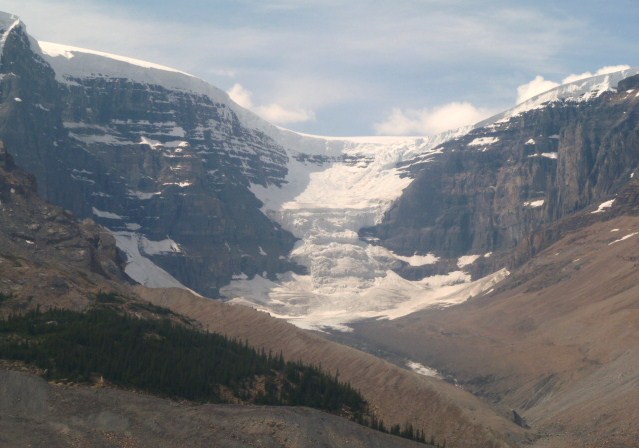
534 88
241 96
601 71
275 113
430 121
278 114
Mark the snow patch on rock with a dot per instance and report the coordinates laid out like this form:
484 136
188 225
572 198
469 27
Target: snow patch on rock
165 246
548 155
534 204
604 206
466 260
422 369
623 238
140 268
418 260
483 141
8 22
104 214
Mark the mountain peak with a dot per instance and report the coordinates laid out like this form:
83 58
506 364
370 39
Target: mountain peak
8 22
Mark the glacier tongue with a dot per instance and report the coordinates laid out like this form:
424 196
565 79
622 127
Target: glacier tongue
324 203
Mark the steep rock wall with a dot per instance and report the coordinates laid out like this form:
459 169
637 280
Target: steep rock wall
158 165
492 188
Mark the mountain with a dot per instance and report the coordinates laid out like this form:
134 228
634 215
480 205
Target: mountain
49 259
383 239
549 158
98 148
201 193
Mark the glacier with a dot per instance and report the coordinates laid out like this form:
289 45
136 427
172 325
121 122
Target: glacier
324 204
333 187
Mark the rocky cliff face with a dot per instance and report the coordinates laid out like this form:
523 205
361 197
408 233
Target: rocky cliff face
30 114
492 188
166 170
175 166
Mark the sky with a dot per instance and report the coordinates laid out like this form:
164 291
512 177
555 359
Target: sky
358 67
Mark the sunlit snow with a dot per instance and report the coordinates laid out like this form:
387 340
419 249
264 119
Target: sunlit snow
466 260
577 91
604 206
623 238
534 204
55 50
481 141
140 268
104 214
422 369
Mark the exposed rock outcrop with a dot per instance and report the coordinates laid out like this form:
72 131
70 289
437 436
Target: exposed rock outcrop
491 189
